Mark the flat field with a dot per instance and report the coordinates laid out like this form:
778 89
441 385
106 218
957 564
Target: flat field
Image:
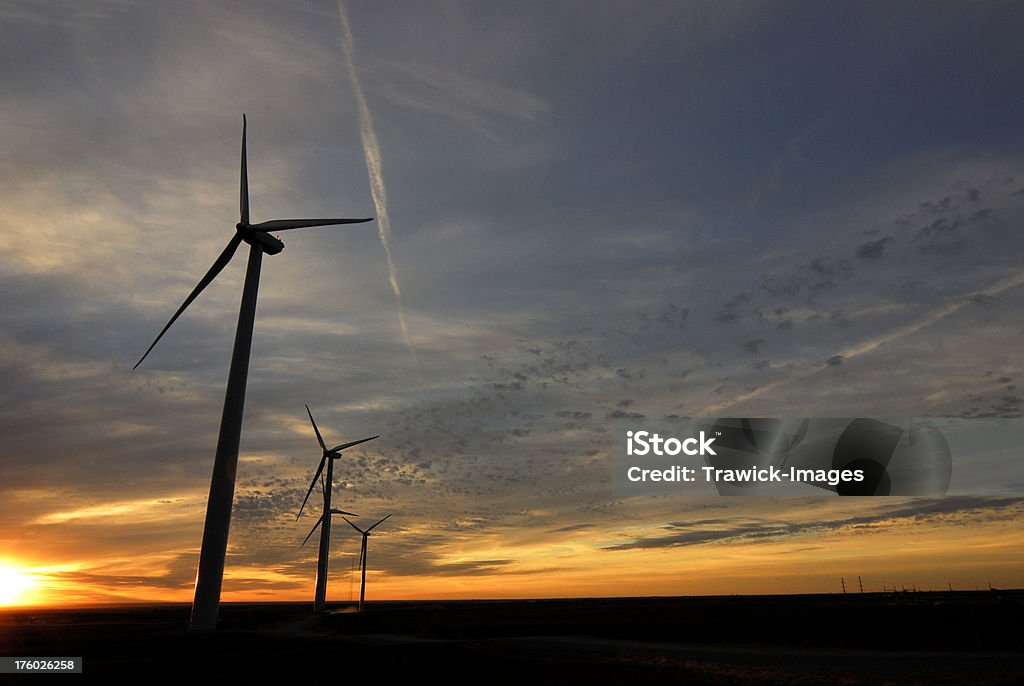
904 638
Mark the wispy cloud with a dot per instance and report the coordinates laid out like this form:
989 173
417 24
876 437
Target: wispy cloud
962 510
872 344
481 106
374 166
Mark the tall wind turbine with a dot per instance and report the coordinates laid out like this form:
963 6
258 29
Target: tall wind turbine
222 485
362 557
329 456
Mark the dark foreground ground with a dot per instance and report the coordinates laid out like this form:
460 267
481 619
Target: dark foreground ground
926 638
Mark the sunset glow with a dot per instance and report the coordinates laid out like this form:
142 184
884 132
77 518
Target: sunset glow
14 584
962 549
606 214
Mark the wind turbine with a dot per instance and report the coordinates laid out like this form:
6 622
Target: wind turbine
362 557
222 485
329 456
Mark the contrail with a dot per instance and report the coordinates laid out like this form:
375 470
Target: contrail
371 151
869 345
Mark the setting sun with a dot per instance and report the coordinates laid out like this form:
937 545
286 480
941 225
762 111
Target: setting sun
12 583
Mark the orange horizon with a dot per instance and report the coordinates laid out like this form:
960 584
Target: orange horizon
931 555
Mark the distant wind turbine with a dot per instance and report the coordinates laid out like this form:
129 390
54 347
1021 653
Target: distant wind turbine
329 456
222 485
362 557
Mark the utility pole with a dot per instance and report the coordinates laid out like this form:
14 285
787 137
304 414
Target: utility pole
861 583
843 582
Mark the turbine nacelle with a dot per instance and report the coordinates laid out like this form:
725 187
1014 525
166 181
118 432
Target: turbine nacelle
256 235
331 453
270 244
366 532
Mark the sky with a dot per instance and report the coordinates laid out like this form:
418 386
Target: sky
595 212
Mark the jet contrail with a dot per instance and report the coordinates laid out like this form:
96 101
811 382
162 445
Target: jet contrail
371 151
869 345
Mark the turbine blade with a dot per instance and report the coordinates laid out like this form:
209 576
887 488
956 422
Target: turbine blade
243 193
353 525
342 512
352 443
216 269
319 438
312 483
360 563
374 526
318 523
285 224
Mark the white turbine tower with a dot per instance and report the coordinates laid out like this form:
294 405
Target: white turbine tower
222 485
329 456
362 557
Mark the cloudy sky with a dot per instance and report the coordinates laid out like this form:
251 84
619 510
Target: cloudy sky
597 211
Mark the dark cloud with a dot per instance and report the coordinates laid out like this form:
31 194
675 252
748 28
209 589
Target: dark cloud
728 313
180 574
571 414
621 414
472 567
753 346
873 250
945 248
808 280
961 511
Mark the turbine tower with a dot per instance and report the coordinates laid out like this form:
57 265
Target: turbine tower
329 456
362 557
222 485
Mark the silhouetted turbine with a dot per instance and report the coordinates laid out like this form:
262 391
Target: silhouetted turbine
362 557
222 485
328 458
